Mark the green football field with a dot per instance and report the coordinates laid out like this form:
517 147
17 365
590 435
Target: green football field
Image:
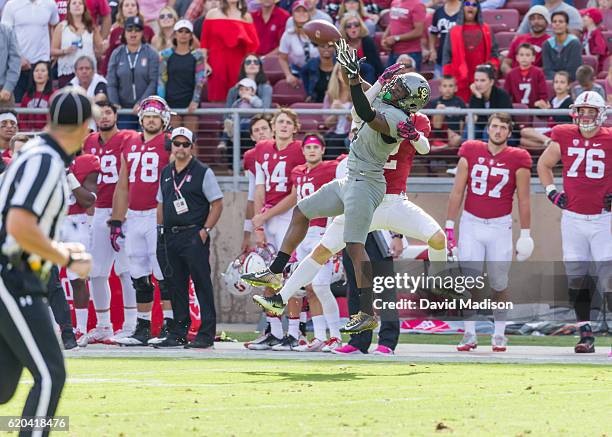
223 397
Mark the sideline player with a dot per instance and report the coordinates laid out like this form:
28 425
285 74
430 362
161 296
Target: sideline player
491 172
387 124
143 156
82 180
585 149
106 145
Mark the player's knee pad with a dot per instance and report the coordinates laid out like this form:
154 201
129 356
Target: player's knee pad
144 289
580 299
164 289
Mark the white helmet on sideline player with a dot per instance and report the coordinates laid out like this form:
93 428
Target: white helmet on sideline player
245 263
155 105
589 99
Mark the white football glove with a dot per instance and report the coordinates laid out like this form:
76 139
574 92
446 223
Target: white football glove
524 246
347 58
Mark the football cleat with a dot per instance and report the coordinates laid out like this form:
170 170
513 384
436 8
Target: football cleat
273 304
382 350
499 343
69 340
124 332
288 343
266 343
100 334
347 349
314 345
586 345
257 340
331 344
163 333
171 341
360 322
264 278
468 342
141 335
81 338
199 343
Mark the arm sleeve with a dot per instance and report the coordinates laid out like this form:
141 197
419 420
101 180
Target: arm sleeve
371 94
40 176
200 76
210 187
260 178
363 108
14 63
251 194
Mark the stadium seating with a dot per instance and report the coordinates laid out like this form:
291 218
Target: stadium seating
506 20
504 39
522 6
317 118
590 60
285 94
272 68
607 21
549 88
604 71
608 37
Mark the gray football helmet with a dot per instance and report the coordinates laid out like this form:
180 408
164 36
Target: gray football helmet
408 91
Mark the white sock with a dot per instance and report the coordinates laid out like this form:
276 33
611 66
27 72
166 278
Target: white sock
129 318
276 327
318 323
302 276
499 319
436 254
100 293
81 319
330 308
104 320
303 317
168 314
294 328
470 327
127 288
145 315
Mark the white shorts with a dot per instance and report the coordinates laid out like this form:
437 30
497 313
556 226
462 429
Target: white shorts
102 253
76 229
141 245
587 238
312 240
487 240
395 213
276 228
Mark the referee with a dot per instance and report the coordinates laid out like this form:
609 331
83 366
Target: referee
190 203
33 202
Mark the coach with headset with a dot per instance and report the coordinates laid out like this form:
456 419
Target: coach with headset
190 203
33 201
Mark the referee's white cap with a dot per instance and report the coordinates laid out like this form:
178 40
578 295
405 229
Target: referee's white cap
71 106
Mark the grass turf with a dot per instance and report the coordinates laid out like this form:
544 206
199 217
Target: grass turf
158 397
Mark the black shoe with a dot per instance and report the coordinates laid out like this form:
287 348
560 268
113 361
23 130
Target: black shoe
265 343
69 340
586 345
166 328
141 336
303 329
360 322
171 341
273 304
198 343
288 344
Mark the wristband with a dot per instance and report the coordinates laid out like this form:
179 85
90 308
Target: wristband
550 188
73 182
248 226
450 224
525 233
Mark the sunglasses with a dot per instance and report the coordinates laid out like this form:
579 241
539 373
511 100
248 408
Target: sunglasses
133 29
163 16
251 61
185 144
183 30
474 4
351 25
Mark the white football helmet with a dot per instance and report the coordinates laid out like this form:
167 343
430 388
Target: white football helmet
589 99
155 105
338 268
249 262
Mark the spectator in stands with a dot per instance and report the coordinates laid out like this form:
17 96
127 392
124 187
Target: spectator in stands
535 138
338 96
356 7
538 19
608 84
447 129
406 26
181 7
10 64
295 48
99 10
585 76
313 12
408 62
40 88
182 75
563 51
372 7
133 71
150 11
126 9
87 78
228 35
486 95
72 38
317 72
246 98
355 33
444 18
165 22
270 21
526 83
8 129
574 20
469 44
30 21
492 4
199 20
593 41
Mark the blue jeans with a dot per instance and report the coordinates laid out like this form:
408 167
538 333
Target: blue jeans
417 56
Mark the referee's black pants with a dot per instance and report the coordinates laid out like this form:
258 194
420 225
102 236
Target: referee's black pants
181 255
389 328
57 301
27 339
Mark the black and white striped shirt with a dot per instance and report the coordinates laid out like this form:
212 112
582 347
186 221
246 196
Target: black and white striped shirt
35 181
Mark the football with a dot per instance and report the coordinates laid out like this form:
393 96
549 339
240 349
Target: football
321 32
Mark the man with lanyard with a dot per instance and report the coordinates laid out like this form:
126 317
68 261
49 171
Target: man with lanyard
189 205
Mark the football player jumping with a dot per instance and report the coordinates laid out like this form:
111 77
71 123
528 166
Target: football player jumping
585 150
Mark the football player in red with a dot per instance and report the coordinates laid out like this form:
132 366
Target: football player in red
82 179
585 150
106 145
491 172
273 203
143 156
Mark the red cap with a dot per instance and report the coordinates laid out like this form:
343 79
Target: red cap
594 13
299 4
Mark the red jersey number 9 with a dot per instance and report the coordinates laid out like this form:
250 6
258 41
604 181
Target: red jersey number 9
305 190
108 169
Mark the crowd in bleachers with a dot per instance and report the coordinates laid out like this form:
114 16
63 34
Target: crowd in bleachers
255 54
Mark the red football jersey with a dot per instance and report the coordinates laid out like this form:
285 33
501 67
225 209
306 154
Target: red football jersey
249 160
81 167
526 87
307 181
587 167
491 178
110 163
145 162
397 167
276 167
